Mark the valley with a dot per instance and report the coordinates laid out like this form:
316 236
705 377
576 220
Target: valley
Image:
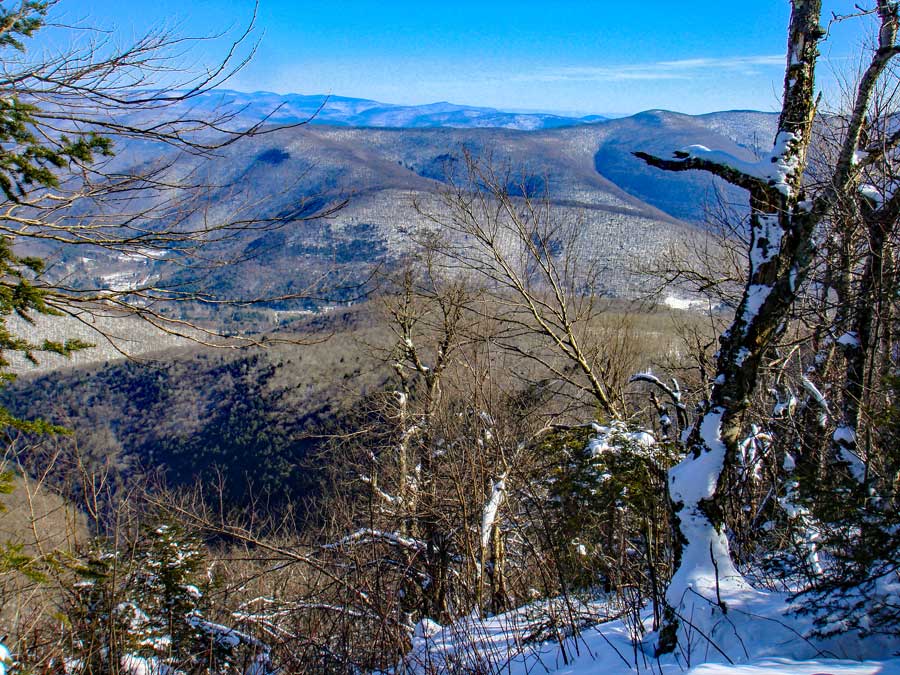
378 188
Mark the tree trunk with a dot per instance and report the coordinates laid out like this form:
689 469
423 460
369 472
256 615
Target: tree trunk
781 225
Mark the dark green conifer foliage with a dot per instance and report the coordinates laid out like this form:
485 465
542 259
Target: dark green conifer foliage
608 507
31 160
170 565
859 527
150 607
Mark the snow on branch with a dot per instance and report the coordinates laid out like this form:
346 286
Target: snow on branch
390 499
818 397
845 440
673 392
225 635
652 379
774 171
611 438
489 514
368 535
301 606
684 161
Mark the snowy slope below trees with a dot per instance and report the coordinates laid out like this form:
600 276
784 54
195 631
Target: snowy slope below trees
758 635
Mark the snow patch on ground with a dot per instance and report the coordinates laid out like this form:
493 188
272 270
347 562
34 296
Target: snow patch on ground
725 626
687 304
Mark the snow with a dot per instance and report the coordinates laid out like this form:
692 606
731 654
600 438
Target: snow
789 667
367 535
767 241
872 194
388 498
877 196
752 449
193 591
785 407
706 575
766 246
849 339
813 391
845 435
674 392
777 169
261 665
138 665
133 615
610 438
845 438
489 515
759 635
686 304
225 636
789 463
805 535
5 659
694 479
426 628
756 296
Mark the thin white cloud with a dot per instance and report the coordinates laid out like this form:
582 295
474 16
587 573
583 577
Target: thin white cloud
682 69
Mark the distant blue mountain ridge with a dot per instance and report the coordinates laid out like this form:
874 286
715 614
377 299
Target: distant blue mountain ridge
359 112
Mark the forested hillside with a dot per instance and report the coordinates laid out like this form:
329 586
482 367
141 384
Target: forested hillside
389 179
247 420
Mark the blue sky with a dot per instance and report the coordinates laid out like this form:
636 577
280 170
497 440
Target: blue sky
587 57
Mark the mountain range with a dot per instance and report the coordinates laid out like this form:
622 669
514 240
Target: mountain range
632 215
359 112
250 409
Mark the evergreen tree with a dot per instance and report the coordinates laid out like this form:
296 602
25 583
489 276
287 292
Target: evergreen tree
150 610
101 624
30 162
169 567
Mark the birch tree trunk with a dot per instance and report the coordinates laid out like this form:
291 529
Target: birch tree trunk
782 223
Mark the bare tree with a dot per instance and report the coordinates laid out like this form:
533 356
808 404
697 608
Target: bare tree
65 115
538 267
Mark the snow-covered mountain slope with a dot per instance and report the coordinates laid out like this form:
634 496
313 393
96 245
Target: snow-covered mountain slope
632 214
